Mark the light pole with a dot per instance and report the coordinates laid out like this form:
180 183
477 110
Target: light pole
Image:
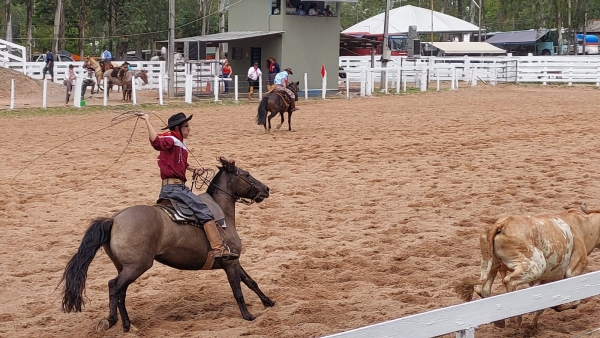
171 51
386 48
478 6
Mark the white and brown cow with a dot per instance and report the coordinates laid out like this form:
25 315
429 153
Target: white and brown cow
534 250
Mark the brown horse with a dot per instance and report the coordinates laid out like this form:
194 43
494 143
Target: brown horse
126 83
274 102
99 69
136 236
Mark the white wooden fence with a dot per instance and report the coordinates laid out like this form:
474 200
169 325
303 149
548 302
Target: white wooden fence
463 319
516 69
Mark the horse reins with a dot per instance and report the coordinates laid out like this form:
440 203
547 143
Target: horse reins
237 198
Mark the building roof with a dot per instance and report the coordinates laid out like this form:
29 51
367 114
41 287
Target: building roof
462 48
226 36
517 37
403 17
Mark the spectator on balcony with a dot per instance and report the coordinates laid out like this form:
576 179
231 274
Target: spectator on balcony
300 10
312 10
327 11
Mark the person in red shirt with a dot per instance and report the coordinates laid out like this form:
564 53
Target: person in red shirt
173 164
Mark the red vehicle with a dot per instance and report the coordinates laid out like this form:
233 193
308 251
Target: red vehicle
398 45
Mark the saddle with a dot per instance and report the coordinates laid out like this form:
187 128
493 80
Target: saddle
283 95
179 212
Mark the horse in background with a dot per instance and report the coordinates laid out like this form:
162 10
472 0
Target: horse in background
99 69
276 103
126 81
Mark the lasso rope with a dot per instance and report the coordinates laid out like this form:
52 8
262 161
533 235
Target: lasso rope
205 176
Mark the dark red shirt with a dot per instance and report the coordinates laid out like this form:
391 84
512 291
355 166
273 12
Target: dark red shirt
172 159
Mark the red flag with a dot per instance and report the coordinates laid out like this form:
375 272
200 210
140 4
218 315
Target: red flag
323 71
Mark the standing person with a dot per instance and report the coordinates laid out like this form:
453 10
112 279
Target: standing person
163 52
49 67
254 74
273 70
226 74
69 82
172 162
281 82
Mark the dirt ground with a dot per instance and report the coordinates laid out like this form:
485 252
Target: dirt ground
375 210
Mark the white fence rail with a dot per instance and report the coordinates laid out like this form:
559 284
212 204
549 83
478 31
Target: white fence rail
10 52
519 69
465 318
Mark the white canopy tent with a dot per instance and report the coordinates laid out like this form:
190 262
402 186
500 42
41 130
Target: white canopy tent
403 17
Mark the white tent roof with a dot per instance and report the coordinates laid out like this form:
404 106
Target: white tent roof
468 48
402 17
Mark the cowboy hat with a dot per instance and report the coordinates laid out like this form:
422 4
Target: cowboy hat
289 70
272 58
176 120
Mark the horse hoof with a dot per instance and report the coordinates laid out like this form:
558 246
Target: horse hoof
102 325
249 318
269 303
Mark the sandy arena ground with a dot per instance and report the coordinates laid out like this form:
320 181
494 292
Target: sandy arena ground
375 211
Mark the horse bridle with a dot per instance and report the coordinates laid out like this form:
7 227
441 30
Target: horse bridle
237 198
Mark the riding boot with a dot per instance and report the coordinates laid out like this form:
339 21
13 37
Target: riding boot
220 249
293 106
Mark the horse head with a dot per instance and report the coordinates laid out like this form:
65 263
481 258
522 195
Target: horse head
237 183
294 87
143 74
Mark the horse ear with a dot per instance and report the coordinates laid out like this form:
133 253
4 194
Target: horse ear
298 83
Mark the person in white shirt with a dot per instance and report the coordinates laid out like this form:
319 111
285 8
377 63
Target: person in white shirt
254 74
163 52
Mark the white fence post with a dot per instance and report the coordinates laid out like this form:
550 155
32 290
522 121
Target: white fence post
363 82
12 94
398 79
260 87
306 86
45 94
347 87
160 88
217 87
324 87
105 93
77 94
133 91
188 88
235 89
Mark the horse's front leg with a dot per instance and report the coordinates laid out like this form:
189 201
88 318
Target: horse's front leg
234 274
289 119
252 285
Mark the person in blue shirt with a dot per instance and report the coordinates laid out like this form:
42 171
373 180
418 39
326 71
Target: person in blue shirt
49 67
106 56
281 82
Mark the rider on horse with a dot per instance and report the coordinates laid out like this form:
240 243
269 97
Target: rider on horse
106 56
172 162
281 82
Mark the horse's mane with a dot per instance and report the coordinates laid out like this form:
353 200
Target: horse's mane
213 183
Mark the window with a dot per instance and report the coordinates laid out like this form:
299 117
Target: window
237 53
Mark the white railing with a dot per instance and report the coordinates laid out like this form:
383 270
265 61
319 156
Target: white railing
519 69
10 52
463 319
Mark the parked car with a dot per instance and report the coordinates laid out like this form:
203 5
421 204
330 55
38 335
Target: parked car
57 58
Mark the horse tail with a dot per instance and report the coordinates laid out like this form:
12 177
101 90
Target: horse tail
261 117
75 275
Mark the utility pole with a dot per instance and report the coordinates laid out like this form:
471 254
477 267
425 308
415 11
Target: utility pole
479 21
584 29
203 17
386 55
57 19
431 37
8 21
171 51
569 36
222 5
